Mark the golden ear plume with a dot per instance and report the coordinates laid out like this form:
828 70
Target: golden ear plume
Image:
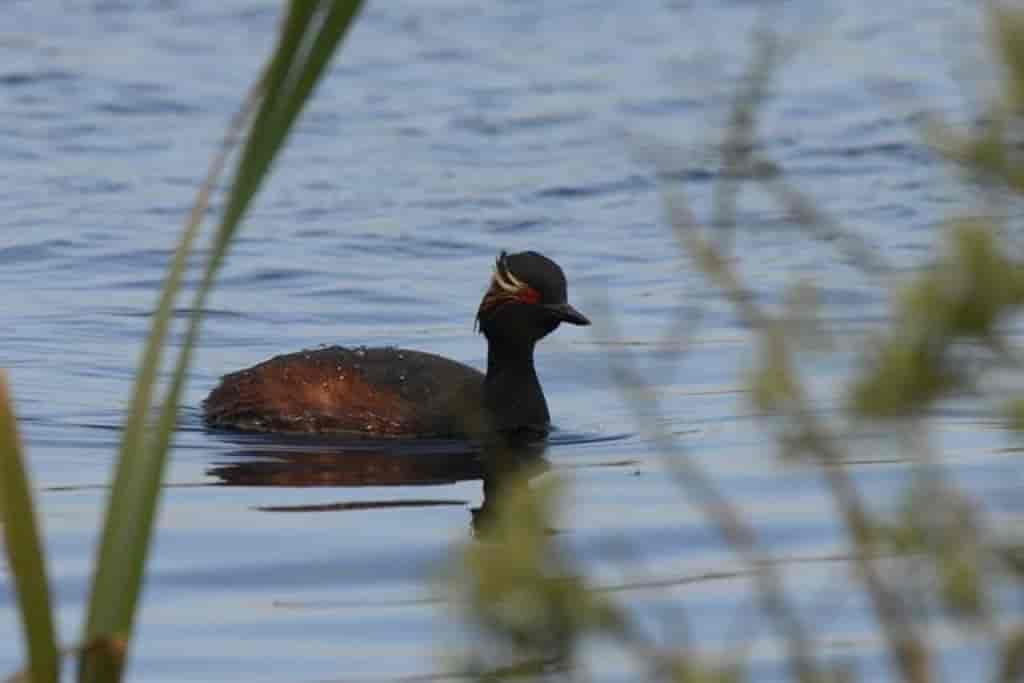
504 278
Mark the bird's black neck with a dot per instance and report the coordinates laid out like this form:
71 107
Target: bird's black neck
512 392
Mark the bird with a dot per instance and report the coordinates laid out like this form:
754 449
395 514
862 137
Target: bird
388 392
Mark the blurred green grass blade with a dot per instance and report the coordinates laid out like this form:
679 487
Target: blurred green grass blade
135 491
123 545
310 33
24 550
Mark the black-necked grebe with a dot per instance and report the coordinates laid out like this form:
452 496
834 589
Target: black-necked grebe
402 393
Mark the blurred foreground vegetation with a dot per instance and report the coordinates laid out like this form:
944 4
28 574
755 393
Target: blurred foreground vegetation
311 32
935 561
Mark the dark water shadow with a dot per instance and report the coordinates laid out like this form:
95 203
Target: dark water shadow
326 460
311 460
314 460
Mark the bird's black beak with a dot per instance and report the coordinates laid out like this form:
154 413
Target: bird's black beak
567 313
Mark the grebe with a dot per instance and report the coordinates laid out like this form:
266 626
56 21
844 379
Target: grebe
391 392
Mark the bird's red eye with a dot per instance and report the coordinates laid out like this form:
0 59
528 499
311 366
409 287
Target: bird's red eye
529 295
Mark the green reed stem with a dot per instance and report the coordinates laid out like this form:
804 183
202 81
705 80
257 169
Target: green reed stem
310 34
24 550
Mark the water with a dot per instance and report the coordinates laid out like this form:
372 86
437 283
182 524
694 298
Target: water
448 131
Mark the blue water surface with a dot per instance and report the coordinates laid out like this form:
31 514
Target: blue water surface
446 131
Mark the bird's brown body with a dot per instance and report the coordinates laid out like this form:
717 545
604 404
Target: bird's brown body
366 391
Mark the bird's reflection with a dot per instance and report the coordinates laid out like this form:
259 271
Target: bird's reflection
314 461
